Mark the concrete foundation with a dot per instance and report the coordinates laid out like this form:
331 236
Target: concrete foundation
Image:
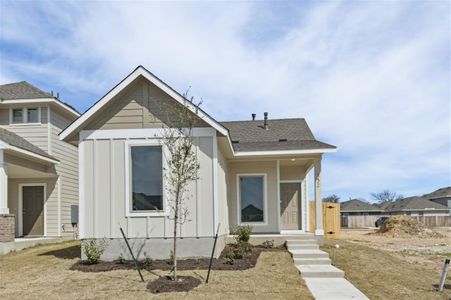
160 248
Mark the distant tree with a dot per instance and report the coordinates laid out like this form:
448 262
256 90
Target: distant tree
332 199
386 196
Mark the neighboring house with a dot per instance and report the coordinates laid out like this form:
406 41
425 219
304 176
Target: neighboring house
356 213
441 196
38 171
417 206
251 172
358 207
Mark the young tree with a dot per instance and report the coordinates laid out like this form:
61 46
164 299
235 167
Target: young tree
182 166
386 196
332 198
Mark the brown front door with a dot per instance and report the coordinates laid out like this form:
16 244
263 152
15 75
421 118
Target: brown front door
290 207
33 210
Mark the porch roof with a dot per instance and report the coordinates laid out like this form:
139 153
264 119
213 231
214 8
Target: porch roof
282 134
16 143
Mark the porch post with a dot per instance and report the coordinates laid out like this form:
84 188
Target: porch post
3 186
318 200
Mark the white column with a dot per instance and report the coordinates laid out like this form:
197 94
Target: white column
318 200
3 185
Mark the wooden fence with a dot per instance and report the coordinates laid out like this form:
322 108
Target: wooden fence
331 219
369 220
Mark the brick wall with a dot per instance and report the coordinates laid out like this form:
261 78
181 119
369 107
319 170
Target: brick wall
7 229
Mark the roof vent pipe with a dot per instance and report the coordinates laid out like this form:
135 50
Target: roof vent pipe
253 117
57 95
265 124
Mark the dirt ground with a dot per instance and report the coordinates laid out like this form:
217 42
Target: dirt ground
427 251
44 272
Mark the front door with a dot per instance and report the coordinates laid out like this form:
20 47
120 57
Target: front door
290 207
33 210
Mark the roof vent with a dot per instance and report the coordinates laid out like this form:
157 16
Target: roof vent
235 142
265 124
282 140
253 117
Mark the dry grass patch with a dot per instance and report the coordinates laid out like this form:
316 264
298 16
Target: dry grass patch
381 274
44 272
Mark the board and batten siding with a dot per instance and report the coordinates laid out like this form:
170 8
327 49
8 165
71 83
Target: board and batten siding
103 194
67 169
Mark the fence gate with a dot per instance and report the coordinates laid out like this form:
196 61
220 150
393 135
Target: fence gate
331 219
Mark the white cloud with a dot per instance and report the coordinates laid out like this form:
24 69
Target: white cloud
372 78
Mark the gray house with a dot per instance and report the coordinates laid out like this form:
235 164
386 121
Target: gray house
356 213
441 196
417 206
38 171
251 172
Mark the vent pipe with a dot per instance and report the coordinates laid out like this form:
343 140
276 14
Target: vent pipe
253 117
265 124
57 95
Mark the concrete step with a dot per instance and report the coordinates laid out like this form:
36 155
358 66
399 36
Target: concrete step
303 247
312 261
301 242
310 253
320 271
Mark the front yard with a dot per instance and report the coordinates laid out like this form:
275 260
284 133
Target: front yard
45 272
391 268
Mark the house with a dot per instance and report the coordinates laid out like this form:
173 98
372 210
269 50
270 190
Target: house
441 196
356 213
417 206
251 172
38 171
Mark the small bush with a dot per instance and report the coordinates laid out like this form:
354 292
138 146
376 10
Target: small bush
242 233
268 244
245 246
93 249
148 260
237 253
120 260
229 260
170 261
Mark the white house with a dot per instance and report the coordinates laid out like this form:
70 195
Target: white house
251 172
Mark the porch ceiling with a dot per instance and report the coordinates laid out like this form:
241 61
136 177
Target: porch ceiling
21 167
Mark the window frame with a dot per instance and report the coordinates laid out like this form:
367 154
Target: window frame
265 199
128 179
24 116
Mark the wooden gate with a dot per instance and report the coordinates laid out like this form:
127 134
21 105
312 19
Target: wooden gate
331 219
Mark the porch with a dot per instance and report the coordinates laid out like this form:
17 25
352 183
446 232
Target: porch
27 179
271 194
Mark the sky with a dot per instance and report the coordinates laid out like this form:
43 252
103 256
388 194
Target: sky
371 77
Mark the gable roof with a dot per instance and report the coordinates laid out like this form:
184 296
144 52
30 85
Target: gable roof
18 92
15 141
357 205
414 203
282 134
140 71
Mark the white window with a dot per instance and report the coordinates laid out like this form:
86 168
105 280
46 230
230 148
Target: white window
252 198
144 165
25 115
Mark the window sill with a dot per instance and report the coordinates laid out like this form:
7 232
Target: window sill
25 124
147 214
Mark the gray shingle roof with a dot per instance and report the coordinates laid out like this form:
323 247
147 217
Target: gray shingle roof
443 192
283 134
24 90
357 205
17 141
414 203
21 90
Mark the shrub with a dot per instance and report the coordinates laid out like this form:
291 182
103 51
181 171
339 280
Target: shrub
242 233
245 246
229 260
120 260
93 249
268 244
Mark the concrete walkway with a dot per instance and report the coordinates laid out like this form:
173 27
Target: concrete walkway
22 243
325 282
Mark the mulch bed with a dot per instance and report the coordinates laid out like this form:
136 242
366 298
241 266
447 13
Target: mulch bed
248 261
164 284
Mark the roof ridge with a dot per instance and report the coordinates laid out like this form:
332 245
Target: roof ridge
279 119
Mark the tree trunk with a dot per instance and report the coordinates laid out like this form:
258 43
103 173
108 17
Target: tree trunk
174 249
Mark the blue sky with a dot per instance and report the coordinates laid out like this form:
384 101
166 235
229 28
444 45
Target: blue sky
372 77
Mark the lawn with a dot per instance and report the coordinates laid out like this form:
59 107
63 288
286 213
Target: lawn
44 272
383 274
